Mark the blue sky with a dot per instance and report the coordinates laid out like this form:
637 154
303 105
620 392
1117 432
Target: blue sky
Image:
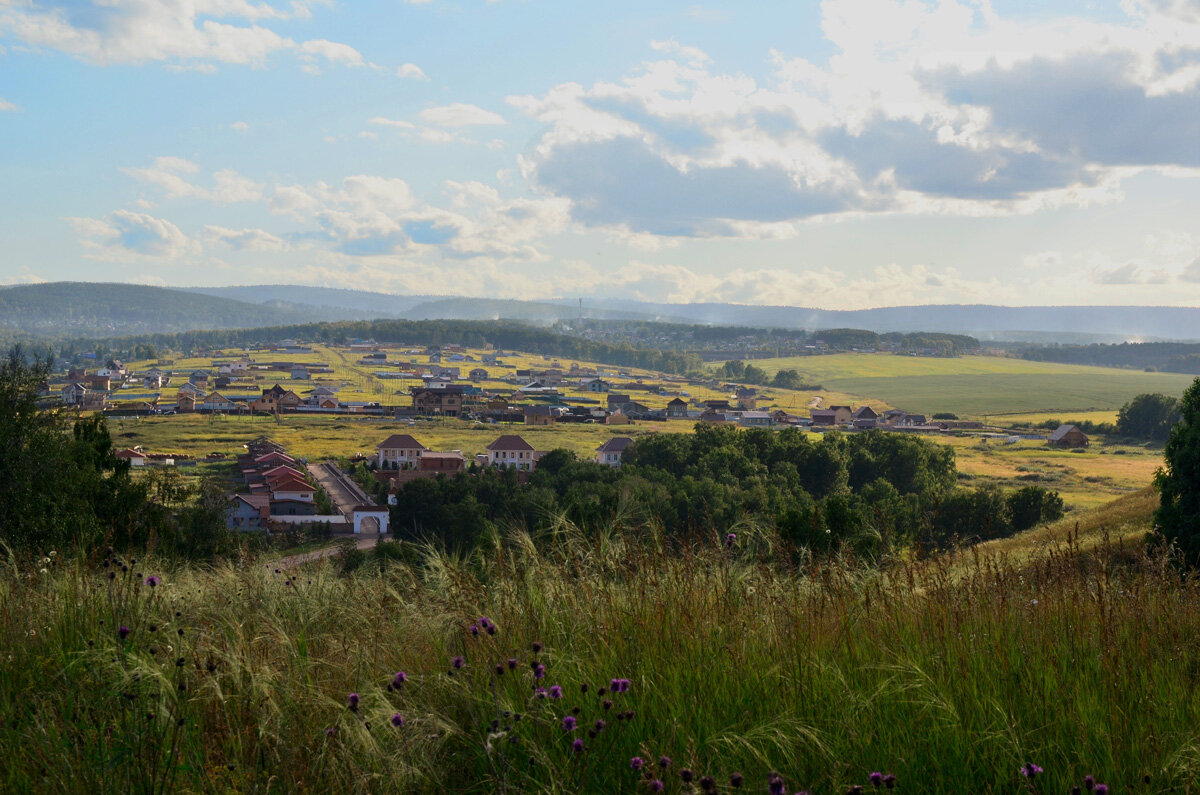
842 154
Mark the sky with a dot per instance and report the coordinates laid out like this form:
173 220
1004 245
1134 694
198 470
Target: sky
841 155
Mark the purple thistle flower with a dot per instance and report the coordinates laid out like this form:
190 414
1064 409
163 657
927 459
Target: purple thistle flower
1089 783
499 669
624 685
399 679
540 692
332 730
568 723
577 746
707 783
539 672
153 581
397 720
606 704
655 785
537 647
876 778
736 779
353 699
637 763
686 775
664 762
1029 770
123 632
458 662
484 621
730 539
775 785
1101 789
889 781
555 691
512 664
474 630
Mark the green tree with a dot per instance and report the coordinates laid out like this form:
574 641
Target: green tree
1148 416
1177 520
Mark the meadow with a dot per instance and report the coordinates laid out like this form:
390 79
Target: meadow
978 386
556 664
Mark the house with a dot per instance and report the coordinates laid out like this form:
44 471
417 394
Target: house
596 385
288 507
842 415
275 399
747 398
511 450
618 417
273 458
186 401
399 451
248 512
291 487
478 374
864 418
1069 436
445 401
134 457
610 452
617 399
72 394
215 401
781 417
718 405
676 408
112 369
538 415
154 381
191 389
299 372
199 379
94 401
716 417
449 463
823 417
101 383
756 419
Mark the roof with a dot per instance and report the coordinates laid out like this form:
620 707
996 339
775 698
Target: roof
128 453
1062 432
254 500
677 400
822 412
400 441
617 444
510 442
835 408
756 415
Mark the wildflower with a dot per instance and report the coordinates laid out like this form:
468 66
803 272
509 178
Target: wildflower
499 669
474 630
483 622
491 630
686 775
736 779
512 664
540 692
637 763
399 679
152 581
707 783
397 720
664 762
855 790
537 647
876 778
1029 770
889 781
600 724
655 786
775 784
332 730
556 691
123 632
577 746
583 688
607 704
458 662
730 539
1101 789
1089 783
568 723
353 699
539 672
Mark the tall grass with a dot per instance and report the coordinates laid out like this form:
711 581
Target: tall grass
949 673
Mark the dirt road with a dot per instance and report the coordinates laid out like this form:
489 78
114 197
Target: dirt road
292 561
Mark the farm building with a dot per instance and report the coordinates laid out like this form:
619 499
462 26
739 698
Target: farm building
1069 436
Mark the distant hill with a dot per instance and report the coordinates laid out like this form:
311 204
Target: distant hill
87 309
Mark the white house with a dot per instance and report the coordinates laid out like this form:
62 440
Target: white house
511 450
610 452
399 451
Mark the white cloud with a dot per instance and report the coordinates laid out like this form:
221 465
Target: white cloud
123 233
693 55
245 239
240 127
386 122
25 275
334 52
6 106
460 114
168 173
410 71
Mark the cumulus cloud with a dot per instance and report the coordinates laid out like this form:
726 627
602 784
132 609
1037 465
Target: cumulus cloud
460 114
240 127
170 175
188 32
410 71
1131 273
244 239
122 233
6 106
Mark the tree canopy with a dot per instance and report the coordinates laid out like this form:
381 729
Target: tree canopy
1177 520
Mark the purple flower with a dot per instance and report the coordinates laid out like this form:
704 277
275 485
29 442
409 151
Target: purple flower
399 679
889 781
1089 783
123 632
568 723
637 763
730 539
555 691
458 662
512 664
1101 789
474 630
1029 770
655 785
775 784
484 622
539 672
540 692
153 581
707 783
736 779
686 775
499 669
577 746
537 647
664 762
353 699
332 730
397 720
876 778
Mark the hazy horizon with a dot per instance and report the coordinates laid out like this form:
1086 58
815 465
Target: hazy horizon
849 155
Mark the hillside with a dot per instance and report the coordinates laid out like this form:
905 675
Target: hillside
105 309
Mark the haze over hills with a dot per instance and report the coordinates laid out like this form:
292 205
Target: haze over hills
111 309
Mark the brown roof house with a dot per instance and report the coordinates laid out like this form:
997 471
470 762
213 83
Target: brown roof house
511 450
1069 436
611 451
399 451
538 415
445 401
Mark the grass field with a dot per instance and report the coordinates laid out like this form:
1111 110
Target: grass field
978 386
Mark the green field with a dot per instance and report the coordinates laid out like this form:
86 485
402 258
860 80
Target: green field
978 386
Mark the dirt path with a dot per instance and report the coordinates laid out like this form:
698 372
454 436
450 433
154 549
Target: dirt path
292 561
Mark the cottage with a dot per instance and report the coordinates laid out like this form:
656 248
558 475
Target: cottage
756 419
597 385
617 399
72 394
1069 436
677 408
248 512
445 401
842 415
511 450
611 451
399 451
291 487
538 415
478 374
134 457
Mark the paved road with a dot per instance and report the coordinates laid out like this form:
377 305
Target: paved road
343 492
